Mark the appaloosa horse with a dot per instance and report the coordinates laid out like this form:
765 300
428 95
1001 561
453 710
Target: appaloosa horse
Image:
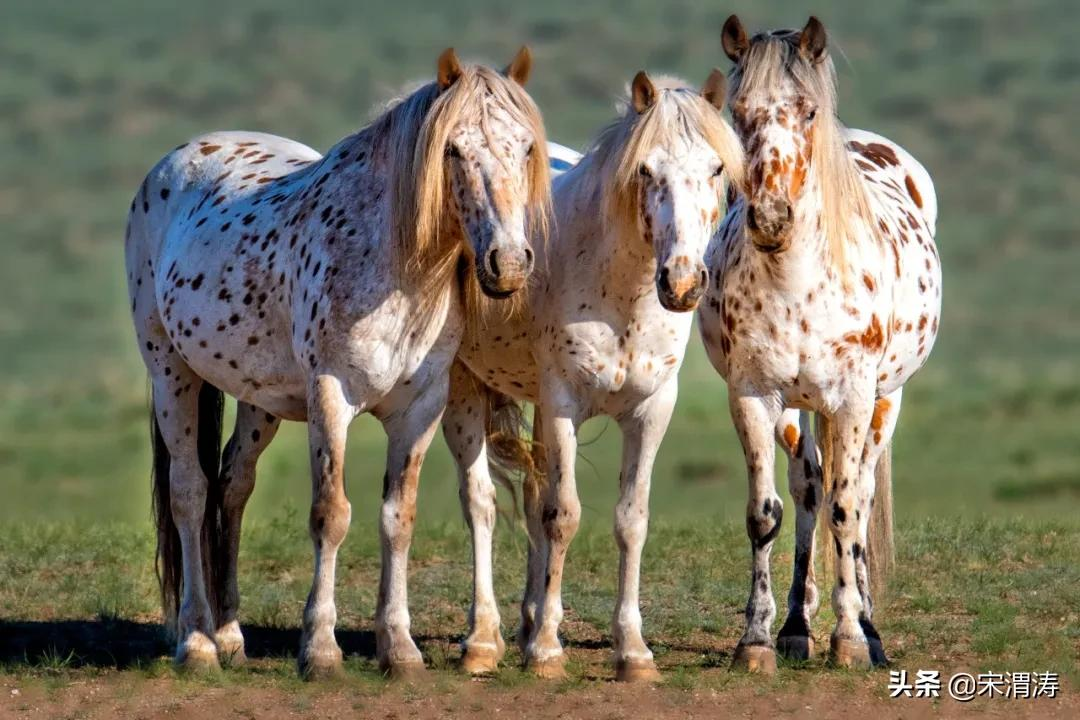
827 296
315 288
601 331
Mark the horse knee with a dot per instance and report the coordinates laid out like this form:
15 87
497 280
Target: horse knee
763 521
329 522
561 521
631 525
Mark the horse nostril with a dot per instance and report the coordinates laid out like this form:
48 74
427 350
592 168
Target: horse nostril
493 262
528 257
751 219
704 278
790 214
665 285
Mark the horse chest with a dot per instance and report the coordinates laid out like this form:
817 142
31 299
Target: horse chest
618 365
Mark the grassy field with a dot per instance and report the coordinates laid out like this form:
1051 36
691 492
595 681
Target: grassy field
984 92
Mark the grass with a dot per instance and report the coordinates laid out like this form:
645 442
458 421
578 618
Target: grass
983 594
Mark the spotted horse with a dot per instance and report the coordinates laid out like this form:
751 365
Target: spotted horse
315 288
601 331
826 298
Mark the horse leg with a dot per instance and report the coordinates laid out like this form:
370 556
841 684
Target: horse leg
643 431
882 425
795 436
536 566
846 514
464 429
410 432
253 432
754 420
176 390
329 415
560 516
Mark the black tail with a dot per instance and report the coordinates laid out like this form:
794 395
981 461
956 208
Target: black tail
169 561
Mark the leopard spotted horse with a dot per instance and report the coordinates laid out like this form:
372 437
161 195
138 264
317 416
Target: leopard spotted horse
825 298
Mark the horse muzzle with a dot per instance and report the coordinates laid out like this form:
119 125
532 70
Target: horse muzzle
682 289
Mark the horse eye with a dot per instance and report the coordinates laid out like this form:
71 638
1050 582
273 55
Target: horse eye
644 171
811 115
529 152
719 169
453 151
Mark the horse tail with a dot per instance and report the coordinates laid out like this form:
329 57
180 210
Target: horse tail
880 546
826 442
167 557
881 550
507 430
211 417
168 564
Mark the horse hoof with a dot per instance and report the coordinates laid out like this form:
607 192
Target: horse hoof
197 655
553 668
637 671
849 653
320 666
230 650
406 672
480 660
795 647
754 659
877 652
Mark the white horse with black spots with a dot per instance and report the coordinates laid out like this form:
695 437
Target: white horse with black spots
826 298
316 288
601 330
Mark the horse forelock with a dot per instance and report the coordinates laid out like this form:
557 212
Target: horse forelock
679 116
773 62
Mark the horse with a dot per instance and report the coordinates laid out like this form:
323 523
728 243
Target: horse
314 288
826 299
601 330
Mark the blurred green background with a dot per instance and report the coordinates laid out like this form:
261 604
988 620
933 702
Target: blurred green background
985 93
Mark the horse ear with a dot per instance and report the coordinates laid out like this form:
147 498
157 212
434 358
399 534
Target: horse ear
733 38
642 92
519 68
715 89
449 68
812 41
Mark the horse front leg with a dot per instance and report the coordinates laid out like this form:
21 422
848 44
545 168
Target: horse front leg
410 431
559 517
643 430
253 432
754 419
795 436
329 415
847 508
464 429
878 440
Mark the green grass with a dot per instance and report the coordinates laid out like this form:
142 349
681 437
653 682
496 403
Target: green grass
993 595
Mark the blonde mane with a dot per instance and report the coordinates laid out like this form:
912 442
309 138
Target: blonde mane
773 60
414 133
680 112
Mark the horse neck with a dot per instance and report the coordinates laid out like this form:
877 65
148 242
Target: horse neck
618 252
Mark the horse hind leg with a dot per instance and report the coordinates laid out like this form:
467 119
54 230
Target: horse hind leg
794 435
252 434
182 499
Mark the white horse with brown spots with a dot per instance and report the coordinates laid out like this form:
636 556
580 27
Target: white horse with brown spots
316 288
826 298
601 331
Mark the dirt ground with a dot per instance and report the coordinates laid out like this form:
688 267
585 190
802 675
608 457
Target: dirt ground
128 695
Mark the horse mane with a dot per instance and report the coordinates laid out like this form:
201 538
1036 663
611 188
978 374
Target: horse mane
611 165
414 132
771 60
